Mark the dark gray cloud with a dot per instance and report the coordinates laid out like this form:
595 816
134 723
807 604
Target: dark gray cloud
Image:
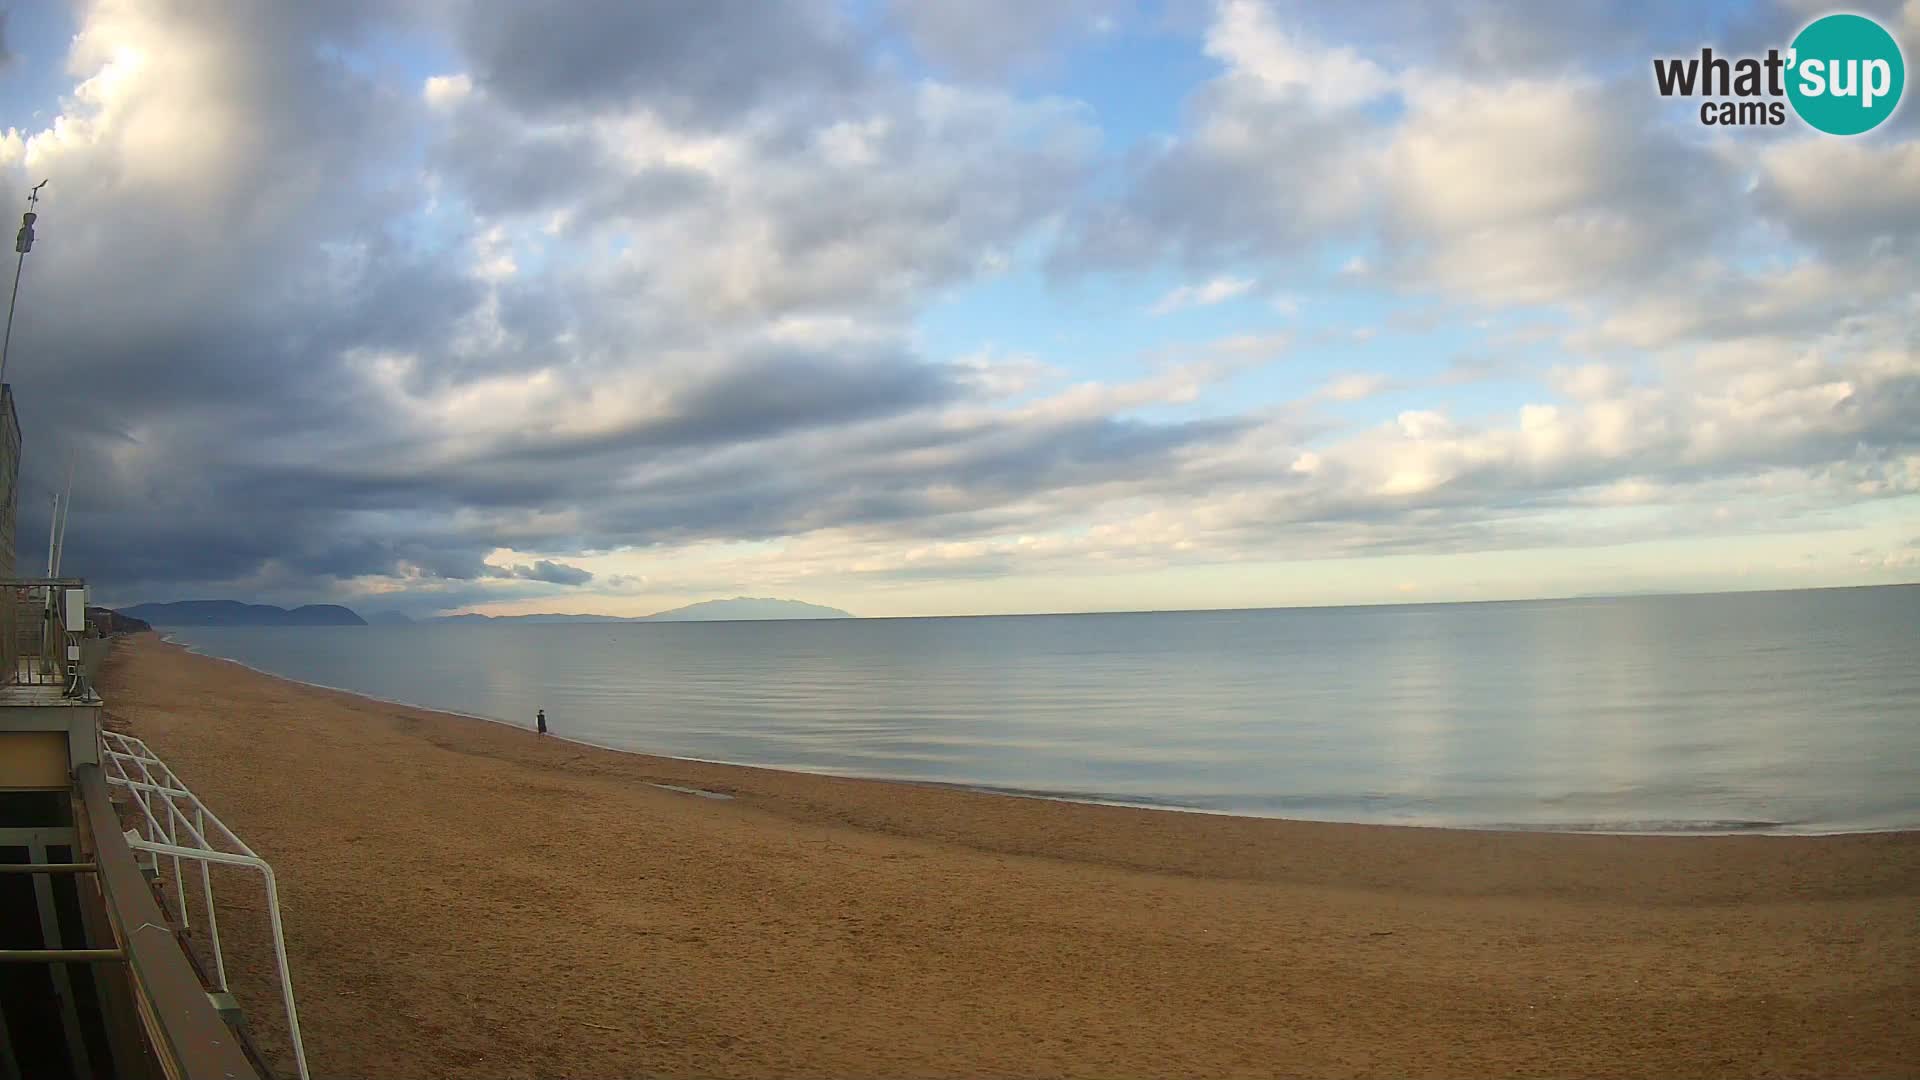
702 61
994 37
548 571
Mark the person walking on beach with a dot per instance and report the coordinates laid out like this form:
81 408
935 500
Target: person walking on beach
540 719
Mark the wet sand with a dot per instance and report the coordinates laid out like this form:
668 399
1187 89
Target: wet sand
466 899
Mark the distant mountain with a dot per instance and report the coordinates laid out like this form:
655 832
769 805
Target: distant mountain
738 608
747 607
324 615
540 618
388 618
234 613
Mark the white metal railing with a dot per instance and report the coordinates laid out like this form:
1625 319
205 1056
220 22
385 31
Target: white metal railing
178 826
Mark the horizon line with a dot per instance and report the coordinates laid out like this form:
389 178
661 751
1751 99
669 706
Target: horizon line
1117 611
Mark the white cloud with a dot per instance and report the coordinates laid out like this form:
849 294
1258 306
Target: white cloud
1521 192
1249 39
1251 346
1000 375
1357 386
446 91
1499 190
1590 381
1846 198
1217 290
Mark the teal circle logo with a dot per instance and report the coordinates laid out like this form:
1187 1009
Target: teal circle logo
1845 74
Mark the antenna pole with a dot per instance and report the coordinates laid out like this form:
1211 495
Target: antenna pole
8 340
23 243
53 528
66 510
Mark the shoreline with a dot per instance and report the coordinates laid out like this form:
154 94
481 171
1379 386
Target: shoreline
1704 829
469 901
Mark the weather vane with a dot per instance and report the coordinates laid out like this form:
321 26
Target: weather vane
23 241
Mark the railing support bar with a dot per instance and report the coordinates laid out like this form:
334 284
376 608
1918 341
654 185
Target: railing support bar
60 956
158 782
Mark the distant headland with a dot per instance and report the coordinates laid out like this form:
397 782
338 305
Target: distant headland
234 613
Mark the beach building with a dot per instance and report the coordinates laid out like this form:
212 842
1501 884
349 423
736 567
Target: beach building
102 964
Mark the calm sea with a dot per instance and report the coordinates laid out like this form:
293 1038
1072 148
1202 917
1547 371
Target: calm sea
1788 712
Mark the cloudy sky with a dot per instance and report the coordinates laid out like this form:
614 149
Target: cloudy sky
923 307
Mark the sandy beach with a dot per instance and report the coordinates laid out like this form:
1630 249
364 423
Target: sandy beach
466 899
